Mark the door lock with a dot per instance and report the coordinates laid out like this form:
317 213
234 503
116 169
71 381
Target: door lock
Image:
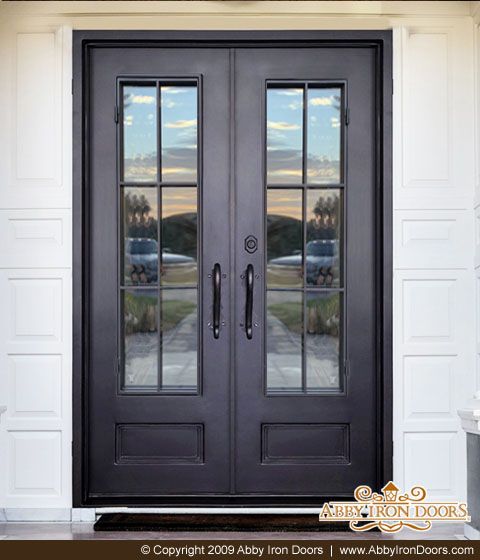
251 244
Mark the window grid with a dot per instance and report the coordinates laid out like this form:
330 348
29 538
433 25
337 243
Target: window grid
159 185
305 187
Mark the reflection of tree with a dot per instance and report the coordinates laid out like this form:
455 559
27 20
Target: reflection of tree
324 224
138 220
179 234
284 235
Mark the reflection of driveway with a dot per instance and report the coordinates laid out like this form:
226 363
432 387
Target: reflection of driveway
284 358
179 356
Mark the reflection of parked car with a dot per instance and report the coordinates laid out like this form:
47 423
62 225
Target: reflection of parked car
141 263
322 265
178 269
141 260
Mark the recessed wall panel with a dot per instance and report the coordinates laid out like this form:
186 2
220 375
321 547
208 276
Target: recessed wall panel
35 463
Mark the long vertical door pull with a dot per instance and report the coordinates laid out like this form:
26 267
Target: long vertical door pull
217 294
249 302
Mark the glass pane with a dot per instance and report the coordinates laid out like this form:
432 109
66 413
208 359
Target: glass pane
139 133
284 237
284 341
324 239
179 340
140 338
140 236
179 133
324 324
284 135
179 236
323 135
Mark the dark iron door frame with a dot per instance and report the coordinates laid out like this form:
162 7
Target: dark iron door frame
84 41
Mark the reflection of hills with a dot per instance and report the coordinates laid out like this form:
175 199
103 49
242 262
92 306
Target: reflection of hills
284 235
179 234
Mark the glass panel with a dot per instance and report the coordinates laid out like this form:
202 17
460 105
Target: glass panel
323 340
323 135
284 341
140 338
179 236
284 135
140 236
284 237
324 239
179 133
139 133
179 340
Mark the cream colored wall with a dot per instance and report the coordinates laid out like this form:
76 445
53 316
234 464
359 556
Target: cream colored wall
434 178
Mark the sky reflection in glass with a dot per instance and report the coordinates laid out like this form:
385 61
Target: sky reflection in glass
179 133
140 133
284 135
323 135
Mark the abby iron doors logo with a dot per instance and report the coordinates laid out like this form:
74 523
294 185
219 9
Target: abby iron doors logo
391 510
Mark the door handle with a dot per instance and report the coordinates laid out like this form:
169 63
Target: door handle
217 295
249 302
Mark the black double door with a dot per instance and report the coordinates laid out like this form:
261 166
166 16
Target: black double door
232 238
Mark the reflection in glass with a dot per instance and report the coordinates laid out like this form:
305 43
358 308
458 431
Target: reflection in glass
179 133
179 236
140 338
284 135
139 133
179 340
284 341
323 249
284 237
322 340
323 135
140 233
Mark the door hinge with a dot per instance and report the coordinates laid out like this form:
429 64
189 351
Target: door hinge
72 86
346 368
116 113
347 116
71 447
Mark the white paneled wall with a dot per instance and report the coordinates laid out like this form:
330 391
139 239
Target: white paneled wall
35 268
433 252
434 235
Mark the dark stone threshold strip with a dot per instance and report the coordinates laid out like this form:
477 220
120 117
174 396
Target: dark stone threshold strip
214 522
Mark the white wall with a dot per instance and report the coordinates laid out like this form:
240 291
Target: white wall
433 254
434 178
